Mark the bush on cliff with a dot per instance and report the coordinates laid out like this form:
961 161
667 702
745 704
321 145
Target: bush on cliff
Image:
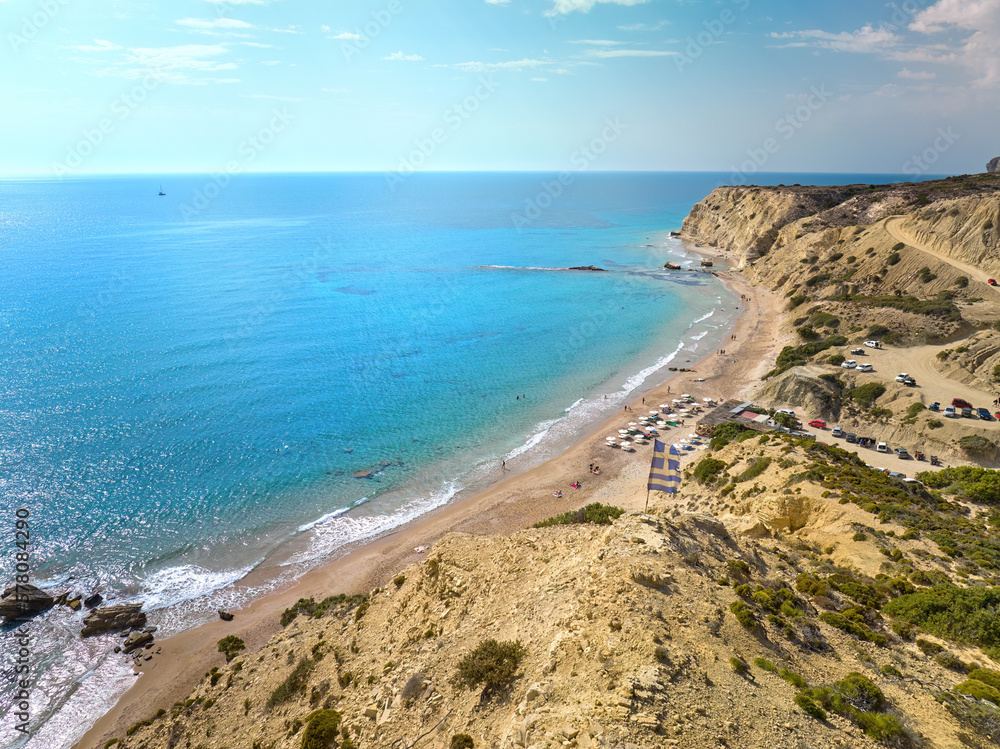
230 646
321 729
491 664
594 513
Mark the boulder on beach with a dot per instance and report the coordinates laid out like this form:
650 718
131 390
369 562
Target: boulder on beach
225 616
124 616
672 266
23 601
136 641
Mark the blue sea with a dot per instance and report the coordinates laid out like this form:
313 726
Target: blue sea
189 382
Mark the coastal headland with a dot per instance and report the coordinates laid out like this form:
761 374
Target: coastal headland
779 600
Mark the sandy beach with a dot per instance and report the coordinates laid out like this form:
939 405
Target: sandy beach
510 505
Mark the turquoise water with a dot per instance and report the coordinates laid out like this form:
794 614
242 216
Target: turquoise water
189 382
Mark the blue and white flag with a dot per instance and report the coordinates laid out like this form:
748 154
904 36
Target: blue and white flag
665 472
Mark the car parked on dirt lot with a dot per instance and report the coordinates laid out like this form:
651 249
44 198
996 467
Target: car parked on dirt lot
901 376
837 432
935 406
849 364
984 414
818 424
882 447
960 403
872 344
858 351
851 437
865 368
897 475
902 454
950 412
967 413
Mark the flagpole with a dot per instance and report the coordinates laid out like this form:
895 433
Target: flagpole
647 501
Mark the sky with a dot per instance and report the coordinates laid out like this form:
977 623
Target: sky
207 86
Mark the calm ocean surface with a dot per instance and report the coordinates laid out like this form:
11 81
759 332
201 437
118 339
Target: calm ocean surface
189 382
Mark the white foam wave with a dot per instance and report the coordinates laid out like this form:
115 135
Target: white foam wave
331 515
174 585
574 405
699 336
703 318
640 377
542 429
337 532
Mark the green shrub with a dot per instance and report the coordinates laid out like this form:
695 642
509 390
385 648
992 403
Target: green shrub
992 678
744 614
879 726
707 470
230 646
594 513
793 678
738 567
861 692
973 443
810 708
859 536
807 333
898 246
492 664
934 423
755 469
892 259
398 580
462 741
866 395
293 685
970 616
853 625
890 670
764 665
979 690
739 666
836 359
322 727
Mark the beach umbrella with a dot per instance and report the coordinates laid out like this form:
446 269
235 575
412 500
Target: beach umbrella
664 405
653 413
632 424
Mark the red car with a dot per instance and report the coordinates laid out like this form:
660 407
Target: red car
959 403
991 281
818 423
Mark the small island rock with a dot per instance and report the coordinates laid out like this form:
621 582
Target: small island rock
994 166
124 616
22 601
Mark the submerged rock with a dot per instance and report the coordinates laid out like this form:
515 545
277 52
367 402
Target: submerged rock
589 267
23 601
124 616
362 474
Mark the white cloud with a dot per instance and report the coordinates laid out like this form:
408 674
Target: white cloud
99 45
270 97
486 67
401 57
539 80
598 42
606 53
920 75
215 23
497 2
270 62
865 40
347 36
563 7
979 52
181 65
644 26
325 29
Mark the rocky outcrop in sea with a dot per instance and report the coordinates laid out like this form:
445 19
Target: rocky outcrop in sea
994 165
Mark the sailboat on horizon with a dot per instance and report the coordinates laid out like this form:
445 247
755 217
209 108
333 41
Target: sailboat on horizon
161 190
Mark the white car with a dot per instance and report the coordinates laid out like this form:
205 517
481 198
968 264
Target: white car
902 377
949 412
865 368
872 344
849 364
837 432
882 447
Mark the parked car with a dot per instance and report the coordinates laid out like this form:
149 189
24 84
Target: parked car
882 447
950 412
901 376
865 368
902 454
960 403
837 432
967 413
935 406
858 351
909 382
898 475
851 437
818 424
984 414
873 344
913 482
991 281
849 364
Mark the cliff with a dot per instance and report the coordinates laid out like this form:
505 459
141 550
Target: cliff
668 628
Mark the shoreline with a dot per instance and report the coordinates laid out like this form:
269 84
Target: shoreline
510 504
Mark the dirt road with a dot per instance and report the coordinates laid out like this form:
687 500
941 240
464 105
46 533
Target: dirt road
895 228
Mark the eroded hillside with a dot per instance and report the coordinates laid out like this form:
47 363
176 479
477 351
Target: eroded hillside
766 627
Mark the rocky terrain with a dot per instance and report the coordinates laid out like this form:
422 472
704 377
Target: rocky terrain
728 617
